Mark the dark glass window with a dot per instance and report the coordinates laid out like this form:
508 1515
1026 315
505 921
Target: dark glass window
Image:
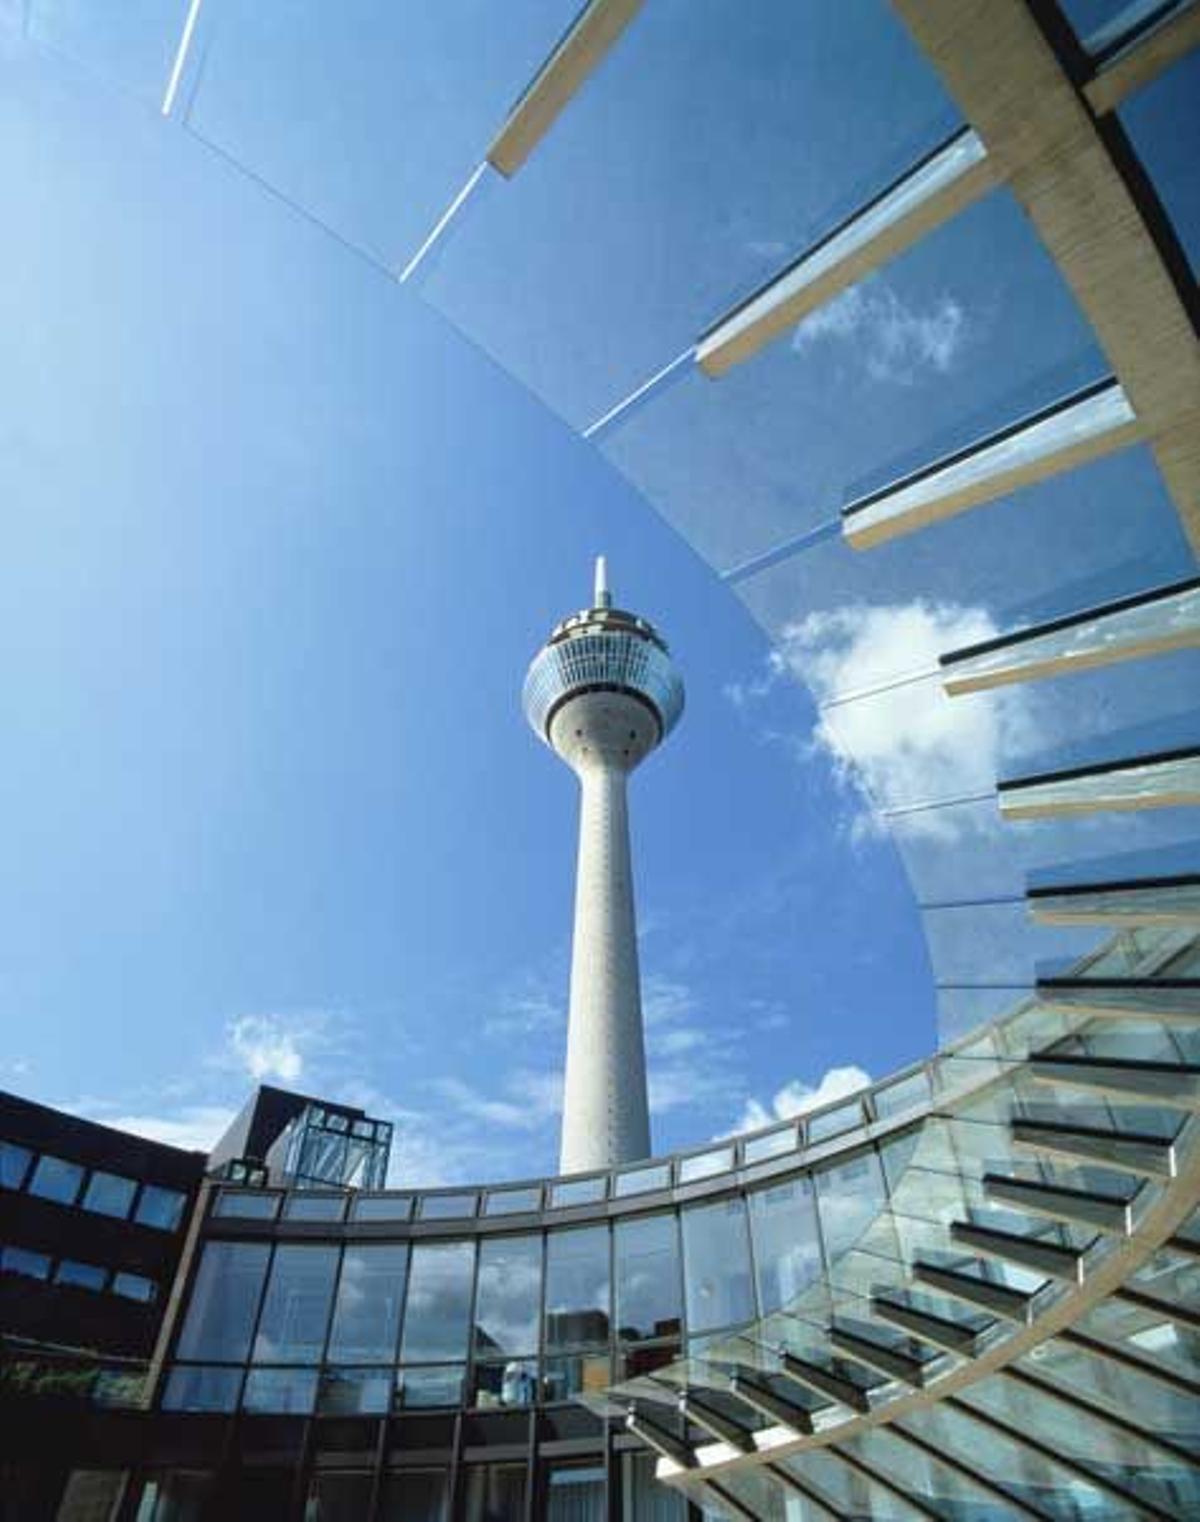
134 1287
354 1392
54 1179
643 1499
494 1493
577 1287
787 1250
439 1301
196 1388
416 1495
437 1385
509 1297
224 1302
716 1257
649 1291
284 1391
19 1260
83 1275
175 1497
505 1382
366 1317
338 1498
160 1207
109 1194
575 1493
295 1313
14 1164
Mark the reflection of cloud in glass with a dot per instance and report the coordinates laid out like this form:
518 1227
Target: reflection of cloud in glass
893 340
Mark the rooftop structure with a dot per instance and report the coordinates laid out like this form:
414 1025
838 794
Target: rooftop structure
603 693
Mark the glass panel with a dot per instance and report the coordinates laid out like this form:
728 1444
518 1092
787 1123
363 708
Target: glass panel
417 1495
834 1122
580 1191
159 1207
904 1095
133 46
434 1386
575 1493
643 1499
196 1388
436 1320
649 1291
54 1179
1126 1392
716 1256
134 1287
494 1492
286 1391
314 1207
509 1296
705 1164
441 1207
642 1180
109 1194
381 1207
576 1374
247 1204
295 1313
338 1497
224 1301
787 1248
577 1287
512 1383
758 1148
849 1197
513 1201
14 1164
354 1392
19 1260
82 1275
1160 120
366 1317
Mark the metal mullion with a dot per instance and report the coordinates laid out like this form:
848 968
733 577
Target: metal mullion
1056 1456
973 1476
469 1361
873 1475
1109 1418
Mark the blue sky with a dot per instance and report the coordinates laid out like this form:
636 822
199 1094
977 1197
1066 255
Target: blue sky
279 545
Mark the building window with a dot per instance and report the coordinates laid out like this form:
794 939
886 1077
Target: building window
417 1495
246 1205
381 1207
315 1207
174 1497
575 1493
54 1179
295 1313
649 1288
354 1392
493 1490
506 1382
440 1385
161 1208
576 1374
439 1302
14 1164
285 1392
83 1275
19 1260
716 1256
643 1497
787 1249
338 1498
134 1287
366 1316
509 1297
224 1301
109 1194
577 1287
196 1388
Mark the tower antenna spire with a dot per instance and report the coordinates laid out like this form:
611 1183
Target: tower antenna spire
602 597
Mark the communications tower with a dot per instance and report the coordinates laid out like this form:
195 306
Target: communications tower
603 693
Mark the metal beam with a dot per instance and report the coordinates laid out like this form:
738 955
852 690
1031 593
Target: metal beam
660 1439
938 1331
997 1299
768 1402
578 54
1174 1084
1183 1315
716 1423
886 1361
825 1382
1049 1259
1057 1203
1171 780
1149 901
1125 1151
1142 60
1171 1000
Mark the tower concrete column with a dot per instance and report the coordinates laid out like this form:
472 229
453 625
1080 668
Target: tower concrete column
603 693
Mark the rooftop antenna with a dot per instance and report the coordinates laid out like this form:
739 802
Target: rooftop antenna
602 597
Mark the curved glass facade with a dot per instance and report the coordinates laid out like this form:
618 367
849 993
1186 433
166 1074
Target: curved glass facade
627 662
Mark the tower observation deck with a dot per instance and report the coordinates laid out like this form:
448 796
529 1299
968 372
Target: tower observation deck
603 693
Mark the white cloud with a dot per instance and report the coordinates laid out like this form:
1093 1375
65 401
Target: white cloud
796 1098
665 1000
272 1047
532 1098
531 1008
194 1127
893 340
909 743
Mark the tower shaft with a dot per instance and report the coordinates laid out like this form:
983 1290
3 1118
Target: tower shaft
606 1119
